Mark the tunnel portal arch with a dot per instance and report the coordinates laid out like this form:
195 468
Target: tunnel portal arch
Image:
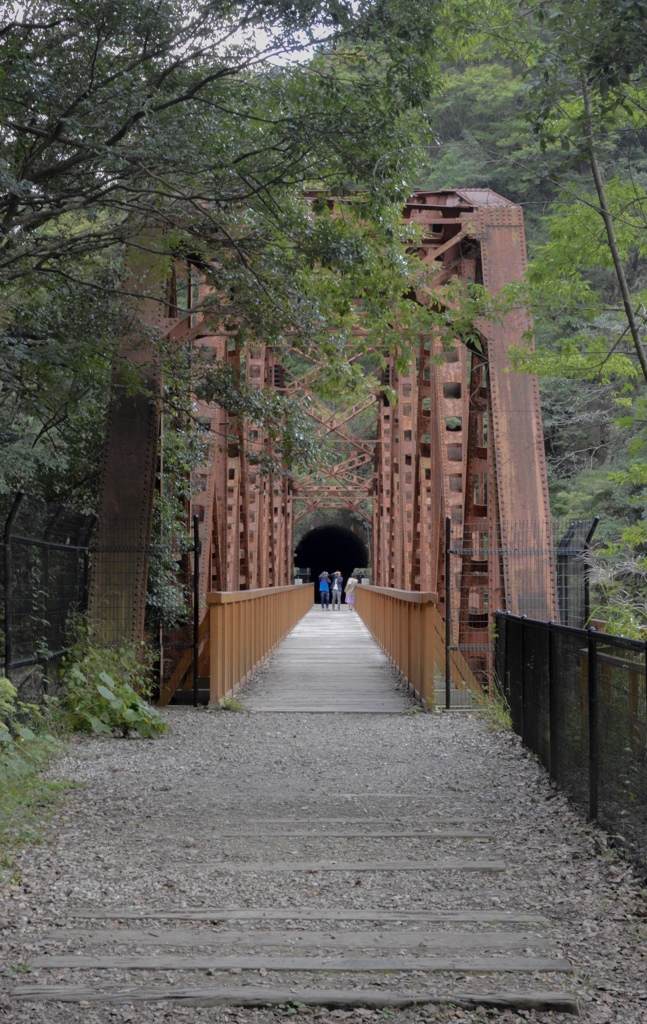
333 548
305 522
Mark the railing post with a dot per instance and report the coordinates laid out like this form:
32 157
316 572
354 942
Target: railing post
214 648
593 723
8 588
448 620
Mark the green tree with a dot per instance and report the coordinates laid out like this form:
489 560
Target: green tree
583 67
583 103
209 120
481 136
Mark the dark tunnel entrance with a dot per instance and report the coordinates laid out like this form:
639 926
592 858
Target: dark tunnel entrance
331 548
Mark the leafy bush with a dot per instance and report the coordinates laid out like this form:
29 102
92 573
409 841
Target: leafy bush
7 708
494 708
21 723
106 691
26 743
618 574
232 704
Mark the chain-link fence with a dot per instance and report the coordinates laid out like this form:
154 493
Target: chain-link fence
530 568
142 590
578 700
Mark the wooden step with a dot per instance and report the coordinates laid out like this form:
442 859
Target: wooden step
419 834
251 825
164 962
353 866
249 995
391 941
218 914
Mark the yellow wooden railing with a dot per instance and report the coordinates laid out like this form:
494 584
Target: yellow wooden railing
244 628
408 627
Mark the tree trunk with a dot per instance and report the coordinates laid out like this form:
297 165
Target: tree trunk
605 213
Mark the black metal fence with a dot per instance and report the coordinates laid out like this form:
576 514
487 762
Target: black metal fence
46 574
578 700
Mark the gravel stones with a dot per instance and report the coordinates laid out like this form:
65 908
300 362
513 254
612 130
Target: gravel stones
223 787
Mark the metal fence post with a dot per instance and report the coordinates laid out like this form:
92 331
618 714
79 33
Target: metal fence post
522 677
8 587
505 682
552 701
84 593
593 723
196 606
448 621
45 592
587 581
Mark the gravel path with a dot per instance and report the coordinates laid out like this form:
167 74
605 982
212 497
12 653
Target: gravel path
176 855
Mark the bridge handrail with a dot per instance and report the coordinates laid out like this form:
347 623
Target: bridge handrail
234 596
244 628
413 596
408 627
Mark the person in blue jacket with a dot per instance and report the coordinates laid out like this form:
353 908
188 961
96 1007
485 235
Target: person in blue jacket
324 591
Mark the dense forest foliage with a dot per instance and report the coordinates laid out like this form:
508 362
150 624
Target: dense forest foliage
214 117
483 139
546 104
208 120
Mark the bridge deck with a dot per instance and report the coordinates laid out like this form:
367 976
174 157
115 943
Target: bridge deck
329 662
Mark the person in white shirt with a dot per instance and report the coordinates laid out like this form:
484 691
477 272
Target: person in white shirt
351 583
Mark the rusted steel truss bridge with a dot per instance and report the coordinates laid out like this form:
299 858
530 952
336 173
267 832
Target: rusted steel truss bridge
461 444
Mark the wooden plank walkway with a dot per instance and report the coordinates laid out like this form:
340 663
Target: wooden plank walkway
329 662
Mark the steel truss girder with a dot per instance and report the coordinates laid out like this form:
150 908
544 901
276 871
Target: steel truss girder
478 453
